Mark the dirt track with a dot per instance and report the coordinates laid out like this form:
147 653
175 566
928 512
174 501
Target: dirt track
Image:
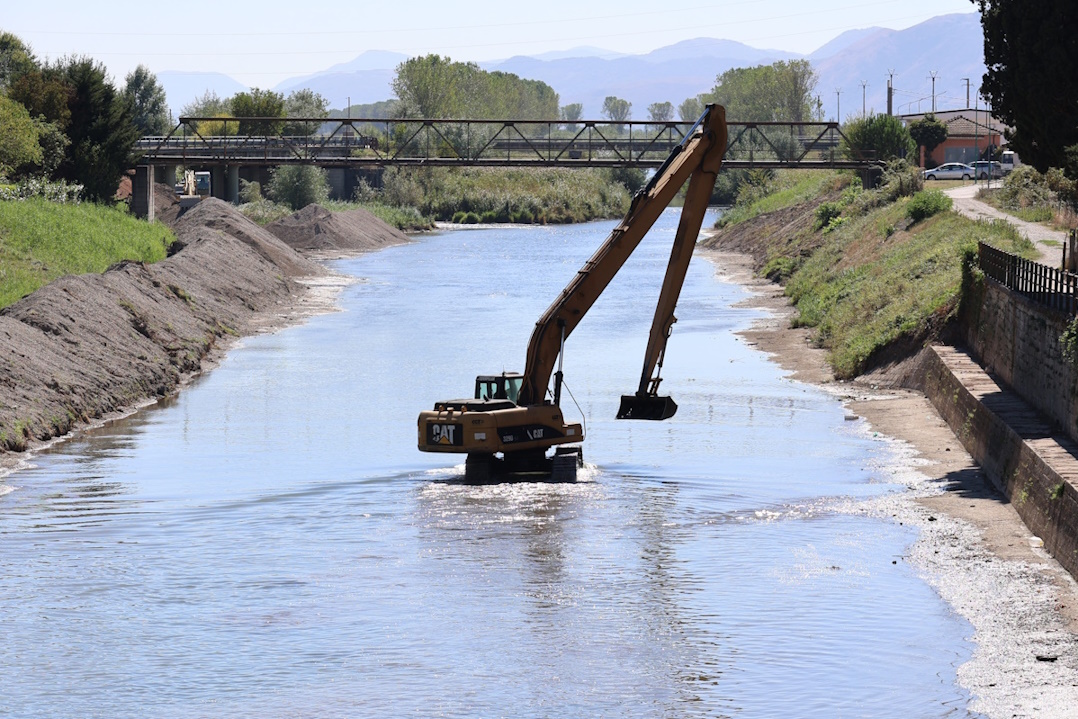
88 346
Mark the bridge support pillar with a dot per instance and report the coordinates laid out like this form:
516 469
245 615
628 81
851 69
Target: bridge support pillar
232 184
142 193
217 182
165 174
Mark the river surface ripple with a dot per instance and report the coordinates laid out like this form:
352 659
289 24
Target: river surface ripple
271 544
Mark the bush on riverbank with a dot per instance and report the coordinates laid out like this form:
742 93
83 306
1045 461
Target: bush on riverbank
873 283
41 241
542 196
406 219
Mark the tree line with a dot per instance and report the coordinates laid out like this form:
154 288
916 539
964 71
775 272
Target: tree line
64 120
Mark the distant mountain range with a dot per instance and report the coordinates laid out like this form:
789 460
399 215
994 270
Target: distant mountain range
949 45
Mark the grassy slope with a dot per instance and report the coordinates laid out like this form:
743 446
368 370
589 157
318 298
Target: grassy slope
873 282
40 241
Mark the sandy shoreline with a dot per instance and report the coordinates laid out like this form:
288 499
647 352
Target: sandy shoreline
973 548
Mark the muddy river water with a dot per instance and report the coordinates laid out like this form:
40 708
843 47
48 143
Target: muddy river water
270 543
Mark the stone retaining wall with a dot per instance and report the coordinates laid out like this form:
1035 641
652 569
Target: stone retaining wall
1035 470
1018 341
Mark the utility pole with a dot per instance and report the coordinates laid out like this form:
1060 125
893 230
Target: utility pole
864 91
838 105
890 91
966 80
933 74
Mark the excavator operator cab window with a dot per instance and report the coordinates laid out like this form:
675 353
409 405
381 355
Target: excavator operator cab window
498 387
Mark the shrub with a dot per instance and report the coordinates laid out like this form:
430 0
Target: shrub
299 185
880 137
38 187
826 212
926 203
250 191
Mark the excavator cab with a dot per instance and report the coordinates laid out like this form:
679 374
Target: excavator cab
503 386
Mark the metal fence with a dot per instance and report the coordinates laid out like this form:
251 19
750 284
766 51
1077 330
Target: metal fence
1048 286
353 142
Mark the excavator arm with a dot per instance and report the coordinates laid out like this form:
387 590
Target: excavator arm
698 160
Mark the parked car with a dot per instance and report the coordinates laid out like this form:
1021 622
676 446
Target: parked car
985 169
949 171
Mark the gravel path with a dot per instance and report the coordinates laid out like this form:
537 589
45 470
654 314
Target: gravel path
1048 242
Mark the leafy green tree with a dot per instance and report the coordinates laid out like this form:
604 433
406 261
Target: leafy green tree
19 135
102 129
207 105
54 144
616 109
573 112
1028 47
780 92
795 82
16 59
147 98
436 87
929 133
661 111
46 94
690 110
258 103
298 186
877 137
304 103
432 86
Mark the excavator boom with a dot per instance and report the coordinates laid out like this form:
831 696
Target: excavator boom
510 415
699 156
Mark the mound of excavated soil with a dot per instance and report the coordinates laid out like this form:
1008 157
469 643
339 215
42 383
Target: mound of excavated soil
87 345
316 229
166 204
218 215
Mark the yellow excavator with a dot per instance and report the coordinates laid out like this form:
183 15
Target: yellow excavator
507 428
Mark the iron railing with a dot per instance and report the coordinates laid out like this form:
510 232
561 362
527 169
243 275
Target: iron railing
380 142
1048 286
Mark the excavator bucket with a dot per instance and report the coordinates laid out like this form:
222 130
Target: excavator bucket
645 406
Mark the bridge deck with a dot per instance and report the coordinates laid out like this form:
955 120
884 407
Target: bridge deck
376 142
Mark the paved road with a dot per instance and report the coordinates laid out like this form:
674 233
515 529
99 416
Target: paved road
1048 242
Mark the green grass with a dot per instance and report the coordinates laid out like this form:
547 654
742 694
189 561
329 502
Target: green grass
868 286
789 188
41 241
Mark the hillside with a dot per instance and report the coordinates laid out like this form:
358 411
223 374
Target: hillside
873 283
950 45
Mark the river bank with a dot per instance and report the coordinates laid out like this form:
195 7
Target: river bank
88 348
973 548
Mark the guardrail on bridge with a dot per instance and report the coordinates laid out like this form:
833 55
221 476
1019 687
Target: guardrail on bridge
380 142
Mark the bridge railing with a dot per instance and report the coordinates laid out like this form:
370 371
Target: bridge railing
1045 285
358 142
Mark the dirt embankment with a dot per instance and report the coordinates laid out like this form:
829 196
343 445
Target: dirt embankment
86 346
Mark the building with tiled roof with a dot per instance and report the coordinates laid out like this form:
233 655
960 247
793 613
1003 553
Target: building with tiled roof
970 134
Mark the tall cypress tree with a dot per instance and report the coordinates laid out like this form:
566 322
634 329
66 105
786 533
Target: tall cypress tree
101 129
1031 50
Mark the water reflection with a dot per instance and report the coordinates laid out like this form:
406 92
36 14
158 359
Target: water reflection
271 544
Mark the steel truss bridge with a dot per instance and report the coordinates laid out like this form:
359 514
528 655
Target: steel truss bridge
378 143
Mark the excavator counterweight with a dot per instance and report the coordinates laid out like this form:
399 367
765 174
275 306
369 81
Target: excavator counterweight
510 424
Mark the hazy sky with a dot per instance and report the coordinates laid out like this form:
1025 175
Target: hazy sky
263 43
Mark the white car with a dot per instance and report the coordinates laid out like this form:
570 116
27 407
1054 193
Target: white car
985 169
949 171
